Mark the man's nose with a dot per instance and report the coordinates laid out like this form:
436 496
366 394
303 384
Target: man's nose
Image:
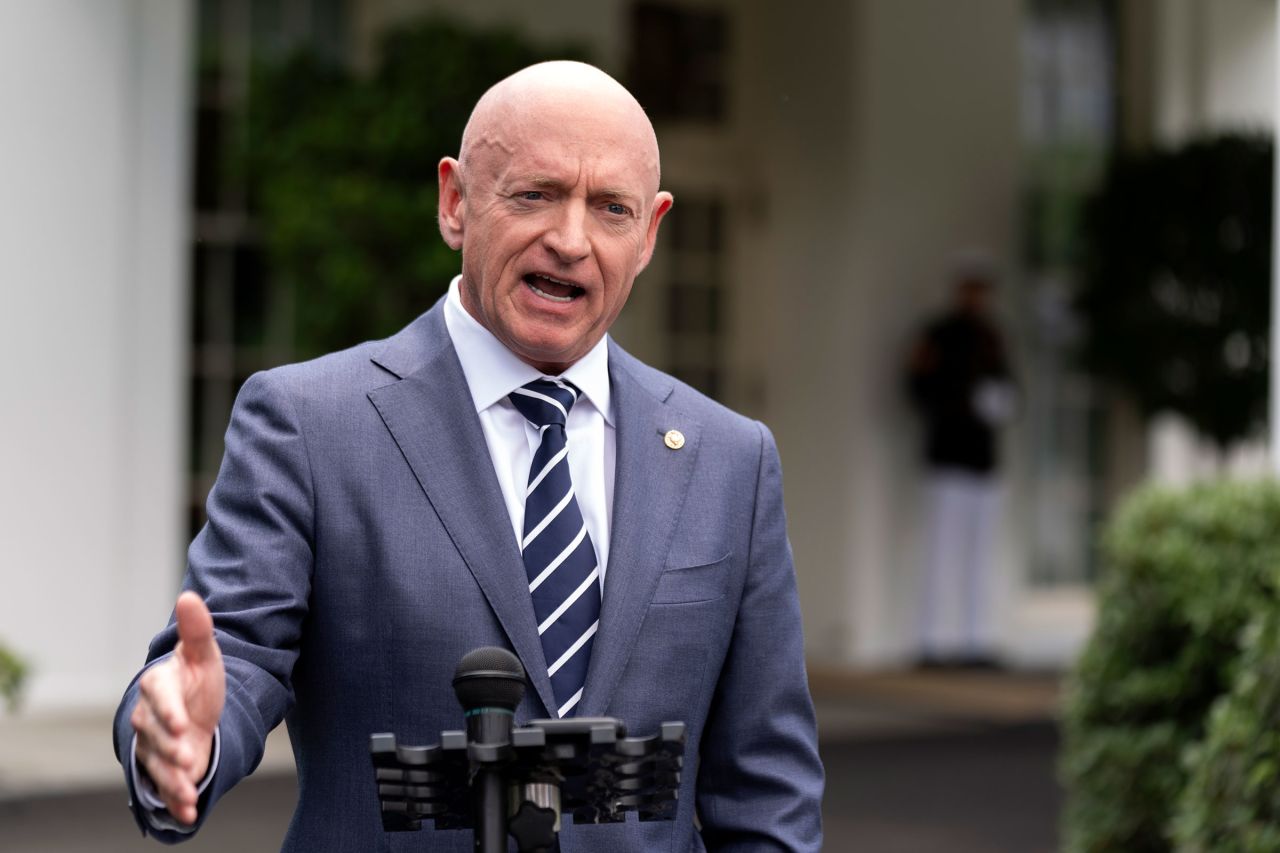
567 235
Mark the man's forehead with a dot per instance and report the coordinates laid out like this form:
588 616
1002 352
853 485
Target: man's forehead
603 171
556 113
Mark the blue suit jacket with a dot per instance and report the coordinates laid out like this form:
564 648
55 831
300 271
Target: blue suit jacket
358 546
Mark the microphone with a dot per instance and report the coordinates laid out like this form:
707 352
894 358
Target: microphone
489 684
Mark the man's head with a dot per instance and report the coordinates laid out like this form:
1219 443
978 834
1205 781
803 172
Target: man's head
973 295
555 205
973 276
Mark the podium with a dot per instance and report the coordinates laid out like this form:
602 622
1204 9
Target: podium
497 779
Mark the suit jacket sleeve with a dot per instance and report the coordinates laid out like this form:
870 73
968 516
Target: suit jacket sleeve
760 781
252 565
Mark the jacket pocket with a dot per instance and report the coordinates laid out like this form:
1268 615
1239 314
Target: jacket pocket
691 584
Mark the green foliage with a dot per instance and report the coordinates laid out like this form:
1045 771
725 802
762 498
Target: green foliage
1185 573
13 674
1231 803
1177 278
342 169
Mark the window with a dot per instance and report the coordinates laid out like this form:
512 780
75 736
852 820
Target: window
695 292
240 317
1069 87
679 61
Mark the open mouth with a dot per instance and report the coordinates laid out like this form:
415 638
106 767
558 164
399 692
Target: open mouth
552 288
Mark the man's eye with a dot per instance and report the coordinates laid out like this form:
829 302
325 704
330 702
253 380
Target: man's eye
531 195
618 209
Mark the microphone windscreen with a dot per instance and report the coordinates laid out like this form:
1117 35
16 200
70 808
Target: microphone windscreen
489 677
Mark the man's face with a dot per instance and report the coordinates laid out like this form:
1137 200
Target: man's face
556 213
973 295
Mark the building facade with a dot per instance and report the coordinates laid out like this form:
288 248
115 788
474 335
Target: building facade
827 165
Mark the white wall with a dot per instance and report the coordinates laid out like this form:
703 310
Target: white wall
940 87
794 291
1215 66
887 140
93 329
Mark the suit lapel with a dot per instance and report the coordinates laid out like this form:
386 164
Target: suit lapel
432 418
649 489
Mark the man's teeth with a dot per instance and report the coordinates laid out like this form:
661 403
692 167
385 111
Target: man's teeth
532 282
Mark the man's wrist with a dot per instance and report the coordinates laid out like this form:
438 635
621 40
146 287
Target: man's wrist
145 789
215 752
203 768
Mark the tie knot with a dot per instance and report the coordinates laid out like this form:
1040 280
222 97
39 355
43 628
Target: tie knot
545 401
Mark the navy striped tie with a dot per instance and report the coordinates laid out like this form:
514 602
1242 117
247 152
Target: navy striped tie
564 577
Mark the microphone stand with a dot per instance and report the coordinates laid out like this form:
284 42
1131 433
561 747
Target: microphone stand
489 683
497 779
491 812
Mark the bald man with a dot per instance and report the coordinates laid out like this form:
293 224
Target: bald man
498 473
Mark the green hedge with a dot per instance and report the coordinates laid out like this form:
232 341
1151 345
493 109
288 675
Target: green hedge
1231 802
1186 573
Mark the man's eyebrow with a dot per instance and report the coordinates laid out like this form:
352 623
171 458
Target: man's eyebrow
540 181
547 182
617 195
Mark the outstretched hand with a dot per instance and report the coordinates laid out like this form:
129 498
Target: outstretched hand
179 704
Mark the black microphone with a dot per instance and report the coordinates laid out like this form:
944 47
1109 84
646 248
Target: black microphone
489 683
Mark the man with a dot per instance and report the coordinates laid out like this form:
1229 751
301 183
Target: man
360 536
960 381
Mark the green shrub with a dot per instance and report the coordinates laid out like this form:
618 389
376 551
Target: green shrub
1231 803
1176 280
13 674
341 167
1185 572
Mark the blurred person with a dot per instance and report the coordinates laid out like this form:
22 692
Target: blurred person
383 510
960 382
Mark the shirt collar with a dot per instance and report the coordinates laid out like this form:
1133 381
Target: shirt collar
493 371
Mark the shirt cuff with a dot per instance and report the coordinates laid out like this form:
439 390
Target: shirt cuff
144 789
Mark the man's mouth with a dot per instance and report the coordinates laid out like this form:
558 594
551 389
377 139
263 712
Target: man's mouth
552 288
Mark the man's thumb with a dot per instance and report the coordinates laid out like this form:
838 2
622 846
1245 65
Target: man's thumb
195 628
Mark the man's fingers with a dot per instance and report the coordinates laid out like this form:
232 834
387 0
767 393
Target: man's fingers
195 629
161 689
173 786
184 813
155 739
167 761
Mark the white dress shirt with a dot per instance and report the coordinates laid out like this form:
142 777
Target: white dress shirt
493 372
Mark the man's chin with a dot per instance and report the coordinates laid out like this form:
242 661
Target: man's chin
550 356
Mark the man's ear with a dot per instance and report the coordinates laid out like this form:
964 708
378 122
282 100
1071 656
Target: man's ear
450 205
661 204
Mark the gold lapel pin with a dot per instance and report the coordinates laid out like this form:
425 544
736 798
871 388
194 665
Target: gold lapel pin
673 439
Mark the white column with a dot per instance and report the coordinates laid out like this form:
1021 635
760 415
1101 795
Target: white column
93 244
